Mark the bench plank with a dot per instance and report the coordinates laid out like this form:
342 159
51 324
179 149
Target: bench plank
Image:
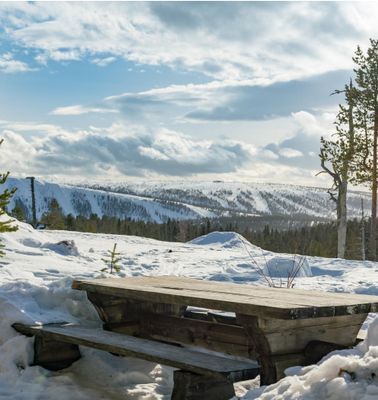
246 299
178 357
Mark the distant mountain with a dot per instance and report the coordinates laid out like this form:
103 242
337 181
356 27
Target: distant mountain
85 201
258 199
158 201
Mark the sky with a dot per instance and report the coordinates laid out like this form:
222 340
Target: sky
135 91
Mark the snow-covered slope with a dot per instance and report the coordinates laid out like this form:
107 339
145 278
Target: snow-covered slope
84 201
251 198
158 201
35 287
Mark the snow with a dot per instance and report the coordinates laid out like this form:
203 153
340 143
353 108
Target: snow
224 239
35 287
247 197
283 267
83 201
158 201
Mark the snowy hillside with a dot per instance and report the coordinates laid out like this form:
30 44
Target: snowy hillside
35 281
250 198
83 201
158 201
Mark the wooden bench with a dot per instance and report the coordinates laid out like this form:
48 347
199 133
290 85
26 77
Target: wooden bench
278 328
56 347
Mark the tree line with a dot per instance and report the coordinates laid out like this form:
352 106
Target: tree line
316 239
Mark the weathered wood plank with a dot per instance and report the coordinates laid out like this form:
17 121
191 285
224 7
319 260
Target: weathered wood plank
283 343
177 357
54 355
244 299
294 341
117 309
275 325
293 335
181 283
229 339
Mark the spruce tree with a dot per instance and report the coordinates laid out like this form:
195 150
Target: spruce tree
54 218
367 120
112 260
18 212
5 196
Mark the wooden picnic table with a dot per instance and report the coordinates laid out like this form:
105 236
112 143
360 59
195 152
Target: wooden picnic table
279 327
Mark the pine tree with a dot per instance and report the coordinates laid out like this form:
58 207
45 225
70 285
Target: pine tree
18 212
5 196
112 260
367 114
54 218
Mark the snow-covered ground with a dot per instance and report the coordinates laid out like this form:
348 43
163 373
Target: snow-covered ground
35 281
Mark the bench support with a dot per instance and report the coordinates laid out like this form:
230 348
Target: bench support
189 386
54 355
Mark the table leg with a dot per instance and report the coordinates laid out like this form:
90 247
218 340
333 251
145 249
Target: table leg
259 345
280 344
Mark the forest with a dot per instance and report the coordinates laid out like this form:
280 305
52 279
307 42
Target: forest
312 238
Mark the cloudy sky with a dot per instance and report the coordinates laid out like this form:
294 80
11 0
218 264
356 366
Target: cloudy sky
164 90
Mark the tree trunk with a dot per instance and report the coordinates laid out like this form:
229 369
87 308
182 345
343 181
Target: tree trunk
342 219
363 254
373 222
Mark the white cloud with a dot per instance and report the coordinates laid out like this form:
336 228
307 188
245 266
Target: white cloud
268 154
228 100
30 127
290 153
103 62
126 152
136 153
263 40
11 66
150 152
80 110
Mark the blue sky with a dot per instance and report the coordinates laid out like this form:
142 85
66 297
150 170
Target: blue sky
164 90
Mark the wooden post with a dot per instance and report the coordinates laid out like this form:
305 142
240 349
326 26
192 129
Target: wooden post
34 210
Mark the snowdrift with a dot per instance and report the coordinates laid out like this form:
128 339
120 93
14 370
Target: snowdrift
226 240
283 267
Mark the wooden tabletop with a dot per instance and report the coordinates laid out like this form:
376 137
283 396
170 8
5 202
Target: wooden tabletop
262 301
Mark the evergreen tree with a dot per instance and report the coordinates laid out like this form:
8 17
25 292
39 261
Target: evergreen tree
18 213
54 218
367 120
5 196
112 260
